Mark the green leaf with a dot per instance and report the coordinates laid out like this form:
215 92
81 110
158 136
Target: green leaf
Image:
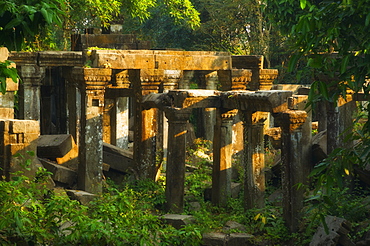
293 61
367 20
303 3
323 90
344 64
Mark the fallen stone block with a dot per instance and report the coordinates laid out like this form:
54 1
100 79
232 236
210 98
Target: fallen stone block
233 225
54 146
61 174
235 189
178 220
70 159
82 196
214 239
237 239
338 229
117 158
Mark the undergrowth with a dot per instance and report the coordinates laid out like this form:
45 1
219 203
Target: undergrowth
130 213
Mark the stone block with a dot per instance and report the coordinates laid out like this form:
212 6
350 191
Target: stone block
6 113
70 160
178 220
11 85
24 126
237 239
214 239
82 196
233 225
235 189
61 174
338 230
117 158
7 100
4 54
54 146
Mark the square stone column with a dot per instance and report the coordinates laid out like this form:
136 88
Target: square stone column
175 168
147 144
254 158
222 157
92 82
30 93
295 160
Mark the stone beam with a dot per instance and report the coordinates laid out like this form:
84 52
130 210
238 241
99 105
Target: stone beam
160 59
48 58
273 101
194 98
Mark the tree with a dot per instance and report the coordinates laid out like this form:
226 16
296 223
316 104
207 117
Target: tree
20 20
331 37
23 22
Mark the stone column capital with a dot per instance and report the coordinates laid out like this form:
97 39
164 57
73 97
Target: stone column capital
267 77
31 75
240 78
292 119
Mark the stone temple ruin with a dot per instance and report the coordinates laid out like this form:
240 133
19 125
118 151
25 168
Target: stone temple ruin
88 102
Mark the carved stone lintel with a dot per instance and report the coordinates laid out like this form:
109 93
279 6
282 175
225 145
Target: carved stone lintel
92 78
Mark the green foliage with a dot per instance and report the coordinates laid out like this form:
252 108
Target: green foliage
20 20
6 71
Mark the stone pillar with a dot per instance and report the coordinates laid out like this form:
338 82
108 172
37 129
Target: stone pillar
209 114
73 104
18 144
171 82
293 149
322 115
185 81
175 169
146 146
93 82
30 97
222 157
109 121
332 124
254 159
120 115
